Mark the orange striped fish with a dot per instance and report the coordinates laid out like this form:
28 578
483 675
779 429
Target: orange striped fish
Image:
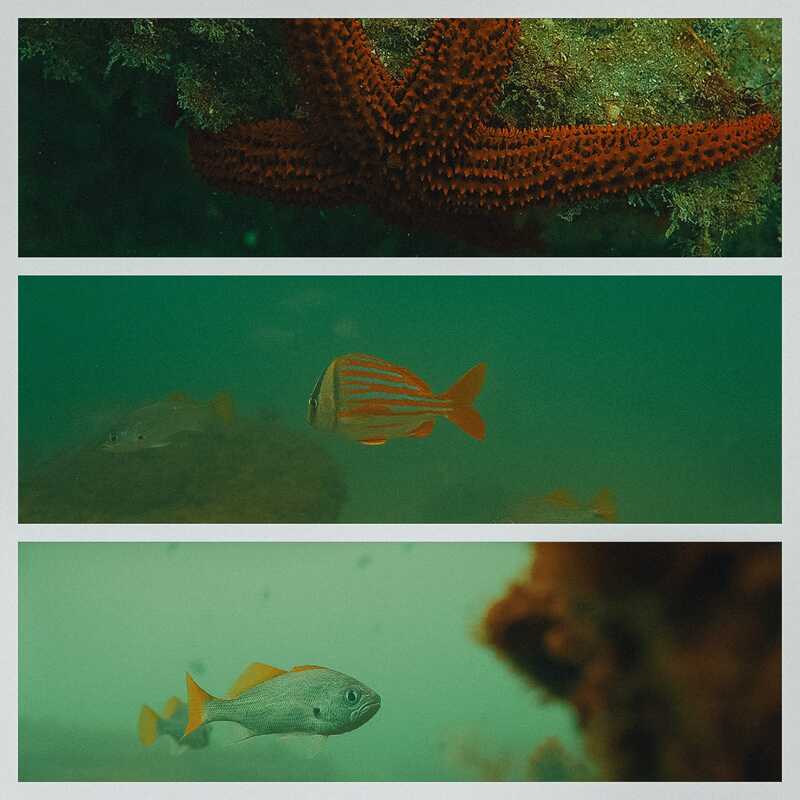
372 400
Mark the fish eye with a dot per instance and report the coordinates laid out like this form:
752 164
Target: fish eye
312 401
351 695
140 437
112 437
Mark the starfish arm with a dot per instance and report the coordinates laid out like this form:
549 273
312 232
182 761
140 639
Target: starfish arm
509 168
352 93
451 85
278 159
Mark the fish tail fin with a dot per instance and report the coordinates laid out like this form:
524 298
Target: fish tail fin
148 726
222 406
197 700
463 393
605 506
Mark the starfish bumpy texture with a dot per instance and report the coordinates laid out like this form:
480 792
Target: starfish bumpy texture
424 145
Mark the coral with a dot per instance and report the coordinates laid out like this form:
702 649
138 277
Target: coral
669 653
254 471
424 144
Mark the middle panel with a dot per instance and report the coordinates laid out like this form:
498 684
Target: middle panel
392 399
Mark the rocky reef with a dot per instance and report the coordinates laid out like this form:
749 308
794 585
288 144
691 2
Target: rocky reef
670 653
210 74
254 470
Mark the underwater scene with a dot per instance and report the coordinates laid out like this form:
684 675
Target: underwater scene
400 399
400 137
399 661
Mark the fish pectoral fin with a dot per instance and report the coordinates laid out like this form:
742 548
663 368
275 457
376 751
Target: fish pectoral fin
254 674
426 429
178 397
372 442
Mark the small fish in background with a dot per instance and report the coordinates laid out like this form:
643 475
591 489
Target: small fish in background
310 700
561 506
171 722
154 425
372 401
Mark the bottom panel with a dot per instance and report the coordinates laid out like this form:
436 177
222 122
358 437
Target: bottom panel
399 661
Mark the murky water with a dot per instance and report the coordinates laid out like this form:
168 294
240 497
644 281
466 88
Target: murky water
666 391
105 628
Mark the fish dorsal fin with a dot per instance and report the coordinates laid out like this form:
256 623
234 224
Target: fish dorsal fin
561 497
178 397
605 506
304 667
256 673
171 706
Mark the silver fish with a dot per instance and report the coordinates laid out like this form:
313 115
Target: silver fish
154 425
171 722
304 700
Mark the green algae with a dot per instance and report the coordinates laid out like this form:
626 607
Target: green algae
565 72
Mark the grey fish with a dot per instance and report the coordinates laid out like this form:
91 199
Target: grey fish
154 425
304 700
560 506
171 722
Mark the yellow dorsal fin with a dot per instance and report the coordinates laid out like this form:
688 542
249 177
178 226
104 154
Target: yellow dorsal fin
561 497
605 506
171 706
256 673
304 667
178 397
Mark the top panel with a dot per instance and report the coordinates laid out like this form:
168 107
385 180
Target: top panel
404 137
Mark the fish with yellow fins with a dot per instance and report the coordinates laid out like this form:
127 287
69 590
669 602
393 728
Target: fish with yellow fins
371 400
264 700
155 424
561 506
170 722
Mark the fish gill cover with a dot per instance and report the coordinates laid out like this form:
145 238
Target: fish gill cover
220 79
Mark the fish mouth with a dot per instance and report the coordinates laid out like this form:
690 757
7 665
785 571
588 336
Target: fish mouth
367 711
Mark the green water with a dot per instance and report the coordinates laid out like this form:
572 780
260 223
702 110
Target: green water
664 390
107 627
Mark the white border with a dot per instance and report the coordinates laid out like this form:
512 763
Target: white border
789 265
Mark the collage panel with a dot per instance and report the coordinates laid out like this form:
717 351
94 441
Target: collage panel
421 492
473 399
429 661
400 137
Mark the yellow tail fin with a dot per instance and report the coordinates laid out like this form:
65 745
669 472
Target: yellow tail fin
605 506
148 726
197 704
463 393
222 406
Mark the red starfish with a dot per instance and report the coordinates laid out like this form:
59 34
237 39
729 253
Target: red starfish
422 146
